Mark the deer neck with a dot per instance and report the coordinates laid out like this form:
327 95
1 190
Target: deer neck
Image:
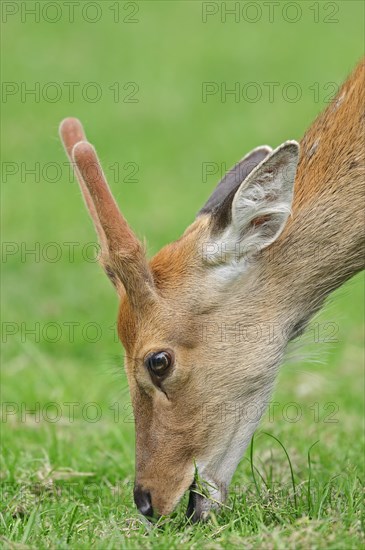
323 243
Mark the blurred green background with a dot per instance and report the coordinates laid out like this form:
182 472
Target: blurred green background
137 74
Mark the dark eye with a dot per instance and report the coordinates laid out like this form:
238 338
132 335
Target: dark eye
159 363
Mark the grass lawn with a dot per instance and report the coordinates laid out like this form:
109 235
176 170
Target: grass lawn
149 82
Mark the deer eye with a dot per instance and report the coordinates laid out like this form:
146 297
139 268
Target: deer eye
159 363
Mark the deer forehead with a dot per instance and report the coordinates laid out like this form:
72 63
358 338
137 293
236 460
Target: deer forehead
169 324
176 263
169 320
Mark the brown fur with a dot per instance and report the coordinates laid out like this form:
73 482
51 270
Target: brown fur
187 309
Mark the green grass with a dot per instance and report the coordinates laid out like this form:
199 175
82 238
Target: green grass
68 484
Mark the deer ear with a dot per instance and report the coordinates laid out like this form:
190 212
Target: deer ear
259 209
224 192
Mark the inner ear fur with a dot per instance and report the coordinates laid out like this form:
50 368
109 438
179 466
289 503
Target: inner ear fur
220 200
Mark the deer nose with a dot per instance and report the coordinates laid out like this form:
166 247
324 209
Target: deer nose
143 502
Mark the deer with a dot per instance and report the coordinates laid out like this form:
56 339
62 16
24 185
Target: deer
281 231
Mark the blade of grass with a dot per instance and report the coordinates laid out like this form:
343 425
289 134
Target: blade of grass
29 525
291 469
309 497
252 466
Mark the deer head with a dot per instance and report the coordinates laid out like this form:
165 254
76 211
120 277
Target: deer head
196 381
205 323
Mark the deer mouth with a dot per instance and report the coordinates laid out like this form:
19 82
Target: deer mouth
199 505
194 509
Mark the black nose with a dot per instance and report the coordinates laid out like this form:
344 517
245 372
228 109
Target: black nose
143 501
